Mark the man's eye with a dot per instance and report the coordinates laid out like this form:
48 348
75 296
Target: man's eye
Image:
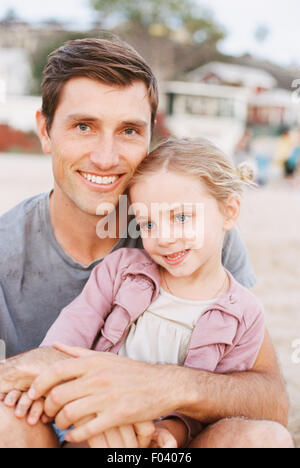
130 131
83 127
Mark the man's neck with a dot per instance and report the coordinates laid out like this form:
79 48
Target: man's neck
76 231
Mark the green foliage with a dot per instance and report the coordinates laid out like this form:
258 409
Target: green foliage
172 14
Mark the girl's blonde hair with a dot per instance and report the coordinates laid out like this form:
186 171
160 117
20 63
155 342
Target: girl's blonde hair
200 159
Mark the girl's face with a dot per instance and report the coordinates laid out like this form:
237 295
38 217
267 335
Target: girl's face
182 225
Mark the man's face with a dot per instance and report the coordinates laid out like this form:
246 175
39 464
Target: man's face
99 136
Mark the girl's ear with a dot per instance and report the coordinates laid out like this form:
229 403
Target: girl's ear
41 123
232 210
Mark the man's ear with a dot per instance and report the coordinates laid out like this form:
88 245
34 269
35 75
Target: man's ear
41 123
232 210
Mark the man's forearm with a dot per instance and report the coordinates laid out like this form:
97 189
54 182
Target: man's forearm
211 397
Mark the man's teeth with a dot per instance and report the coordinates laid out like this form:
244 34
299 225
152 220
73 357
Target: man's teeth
100 180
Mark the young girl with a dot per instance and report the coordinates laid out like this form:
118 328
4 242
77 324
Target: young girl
173 303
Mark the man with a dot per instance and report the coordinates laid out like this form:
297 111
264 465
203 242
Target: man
99 104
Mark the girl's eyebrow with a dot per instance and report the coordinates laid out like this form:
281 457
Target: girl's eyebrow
141 218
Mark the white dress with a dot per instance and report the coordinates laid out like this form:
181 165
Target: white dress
161 335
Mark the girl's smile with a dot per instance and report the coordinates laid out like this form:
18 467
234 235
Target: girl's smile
176 258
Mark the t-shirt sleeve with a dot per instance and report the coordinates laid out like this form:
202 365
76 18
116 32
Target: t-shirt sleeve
80 322
236 260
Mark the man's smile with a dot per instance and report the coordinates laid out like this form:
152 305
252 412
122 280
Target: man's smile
107 182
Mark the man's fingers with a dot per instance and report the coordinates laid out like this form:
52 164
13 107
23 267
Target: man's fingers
145 432
91 429
67 402
62 371
73 351
81 409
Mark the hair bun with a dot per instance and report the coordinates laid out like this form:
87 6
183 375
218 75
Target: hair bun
245 172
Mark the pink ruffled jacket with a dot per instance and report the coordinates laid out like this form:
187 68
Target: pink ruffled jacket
227 337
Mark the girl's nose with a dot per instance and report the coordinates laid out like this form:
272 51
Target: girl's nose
166 241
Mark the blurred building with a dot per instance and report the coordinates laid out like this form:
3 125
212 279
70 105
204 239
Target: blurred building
204 110
228 74
15 71
220 100
17 109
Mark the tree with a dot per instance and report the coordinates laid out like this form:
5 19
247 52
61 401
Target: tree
10 16
170 15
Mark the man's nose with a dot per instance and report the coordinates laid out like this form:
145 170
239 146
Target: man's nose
105 154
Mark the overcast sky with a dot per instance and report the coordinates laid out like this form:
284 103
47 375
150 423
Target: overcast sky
240 18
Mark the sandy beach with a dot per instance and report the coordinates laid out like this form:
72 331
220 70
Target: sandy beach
270 227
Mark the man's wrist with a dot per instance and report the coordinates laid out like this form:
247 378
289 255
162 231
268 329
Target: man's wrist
183 387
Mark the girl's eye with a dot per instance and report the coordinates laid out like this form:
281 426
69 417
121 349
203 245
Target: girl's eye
149 226
182 218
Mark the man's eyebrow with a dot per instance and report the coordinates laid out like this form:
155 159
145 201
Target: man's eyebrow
81 117
135 123
139 123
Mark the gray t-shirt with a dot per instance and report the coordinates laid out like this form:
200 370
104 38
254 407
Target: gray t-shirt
38 279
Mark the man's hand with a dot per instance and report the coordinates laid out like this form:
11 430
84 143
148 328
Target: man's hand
115 390
18 372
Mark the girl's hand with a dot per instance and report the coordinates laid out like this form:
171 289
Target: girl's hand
24 406
131 436
170 433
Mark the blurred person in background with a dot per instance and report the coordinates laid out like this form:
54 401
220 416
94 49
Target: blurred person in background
284 148
292 163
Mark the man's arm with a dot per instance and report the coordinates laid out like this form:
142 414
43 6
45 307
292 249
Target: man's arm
143 392
235 259
256 394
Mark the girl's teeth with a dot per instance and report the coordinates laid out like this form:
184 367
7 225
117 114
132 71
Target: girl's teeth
176 256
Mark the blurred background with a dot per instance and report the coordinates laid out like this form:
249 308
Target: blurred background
229 71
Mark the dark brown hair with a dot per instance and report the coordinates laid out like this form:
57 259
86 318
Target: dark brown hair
111 62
